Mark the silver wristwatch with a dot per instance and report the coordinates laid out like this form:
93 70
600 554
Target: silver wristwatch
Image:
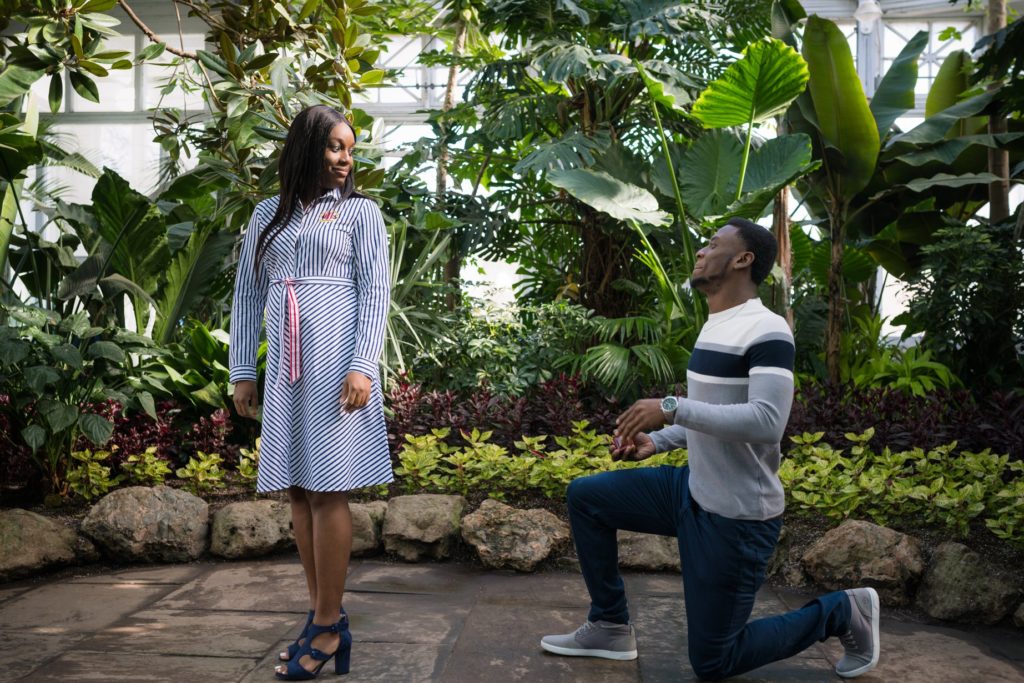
668 407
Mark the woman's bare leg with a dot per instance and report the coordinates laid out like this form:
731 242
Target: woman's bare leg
302 527
332 545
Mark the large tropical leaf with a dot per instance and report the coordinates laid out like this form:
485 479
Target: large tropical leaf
947 180
709 172
935 128
778 162
950 83
947 152
133 227
760 85
618 199
572 151
895 93
189 277
840 107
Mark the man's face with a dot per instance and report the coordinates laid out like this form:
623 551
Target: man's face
715 261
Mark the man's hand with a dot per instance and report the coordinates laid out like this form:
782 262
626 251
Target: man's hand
642 416
640 448
355 392
247 399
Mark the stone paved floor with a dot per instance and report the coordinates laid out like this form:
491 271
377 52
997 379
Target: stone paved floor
213 621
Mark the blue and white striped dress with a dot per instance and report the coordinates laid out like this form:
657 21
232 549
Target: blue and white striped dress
330 266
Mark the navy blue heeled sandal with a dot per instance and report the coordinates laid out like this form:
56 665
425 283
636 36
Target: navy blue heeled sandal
296 646
342 655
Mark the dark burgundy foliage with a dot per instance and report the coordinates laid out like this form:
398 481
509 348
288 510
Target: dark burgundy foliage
16 466
547 408
903 421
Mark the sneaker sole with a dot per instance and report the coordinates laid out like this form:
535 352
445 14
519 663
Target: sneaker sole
875 619
578 652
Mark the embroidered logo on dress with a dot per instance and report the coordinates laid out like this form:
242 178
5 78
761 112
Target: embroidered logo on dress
329 215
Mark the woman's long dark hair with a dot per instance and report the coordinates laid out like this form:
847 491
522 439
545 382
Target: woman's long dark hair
301 167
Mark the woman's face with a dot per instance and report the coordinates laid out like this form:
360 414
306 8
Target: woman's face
338 156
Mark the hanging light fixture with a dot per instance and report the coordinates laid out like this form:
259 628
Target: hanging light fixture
866 14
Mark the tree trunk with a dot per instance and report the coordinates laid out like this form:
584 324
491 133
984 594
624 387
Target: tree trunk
834 324
453 266
780 226
998 159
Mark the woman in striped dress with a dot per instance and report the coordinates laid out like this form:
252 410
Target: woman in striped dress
315 260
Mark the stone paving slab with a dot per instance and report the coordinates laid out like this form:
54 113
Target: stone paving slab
13 666
409 619
59 608
274 586
139 668
172 574
504 645
435 623
198 633
432 579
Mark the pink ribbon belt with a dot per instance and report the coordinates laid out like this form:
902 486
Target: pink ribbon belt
289 337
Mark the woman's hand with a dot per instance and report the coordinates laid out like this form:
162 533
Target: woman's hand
355 392
247 399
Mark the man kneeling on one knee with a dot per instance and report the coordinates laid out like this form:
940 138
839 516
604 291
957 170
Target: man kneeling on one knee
725 507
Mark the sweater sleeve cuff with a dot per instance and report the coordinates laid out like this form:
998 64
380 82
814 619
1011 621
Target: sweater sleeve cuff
242 373
366 367
658 440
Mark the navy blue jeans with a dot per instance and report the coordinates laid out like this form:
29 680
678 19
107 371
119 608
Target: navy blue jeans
723 563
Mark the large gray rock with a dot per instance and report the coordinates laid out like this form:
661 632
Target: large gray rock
30 543
505 537
422 526
251 529
785 560
367 524
960 586
648 551
863 554
143 524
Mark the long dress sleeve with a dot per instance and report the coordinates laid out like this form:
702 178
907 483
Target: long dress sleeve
247 308
373 280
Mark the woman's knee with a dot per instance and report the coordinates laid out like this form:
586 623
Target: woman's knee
324 499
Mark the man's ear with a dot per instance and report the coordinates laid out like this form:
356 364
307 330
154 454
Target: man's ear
745 259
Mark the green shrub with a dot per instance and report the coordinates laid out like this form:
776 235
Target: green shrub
91 479
203 473
146 469
939 486
429 463
248 462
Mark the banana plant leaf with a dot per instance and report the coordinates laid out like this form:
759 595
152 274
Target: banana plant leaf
895 93
840 107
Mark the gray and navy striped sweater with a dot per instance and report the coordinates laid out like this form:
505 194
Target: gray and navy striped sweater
740 390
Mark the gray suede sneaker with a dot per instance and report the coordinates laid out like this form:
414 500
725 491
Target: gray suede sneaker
595 639
861 641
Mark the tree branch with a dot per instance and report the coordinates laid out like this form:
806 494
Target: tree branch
149 32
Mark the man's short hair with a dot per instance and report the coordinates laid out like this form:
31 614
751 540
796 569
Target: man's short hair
762 243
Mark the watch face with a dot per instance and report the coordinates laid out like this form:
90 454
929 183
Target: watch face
669 403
